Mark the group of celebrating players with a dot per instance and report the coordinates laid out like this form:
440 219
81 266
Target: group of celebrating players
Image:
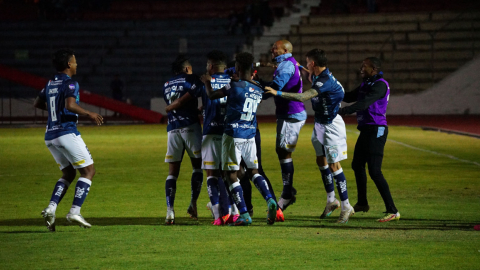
228 148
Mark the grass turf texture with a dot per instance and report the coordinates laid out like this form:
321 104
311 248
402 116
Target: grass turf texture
438 198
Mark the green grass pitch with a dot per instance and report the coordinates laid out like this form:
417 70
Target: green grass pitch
434 179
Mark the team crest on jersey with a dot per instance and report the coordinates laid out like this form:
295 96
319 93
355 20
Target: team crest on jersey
319 84
72 86
251 89
213 80
166 84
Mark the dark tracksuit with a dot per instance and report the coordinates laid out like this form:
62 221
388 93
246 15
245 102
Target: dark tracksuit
371 104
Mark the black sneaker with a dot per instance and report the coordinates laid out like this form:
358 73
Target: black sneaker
361 208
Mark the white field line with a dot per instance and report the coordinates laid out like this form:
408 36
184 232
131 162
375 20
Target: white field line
427 151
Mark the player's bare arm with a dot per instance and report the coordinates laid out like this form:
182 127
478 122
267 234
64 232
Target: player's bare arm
72 106
178 103
40 104
309 94
206 79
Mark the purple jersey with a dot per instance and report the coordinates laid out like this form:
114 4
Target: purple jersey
294 85
376 113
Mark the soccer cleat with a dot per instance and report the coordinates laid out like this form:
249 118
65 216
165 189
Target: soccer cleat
361 208
242 220
345 215
170 219
49 218
232 219
218 222
225 218
192 211
330 208
79 220
389 217
284 203
209 207
280 217
272 211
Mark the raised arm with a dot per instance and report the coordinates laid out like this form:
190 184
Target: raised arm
72 106
178 103
309 94
220 93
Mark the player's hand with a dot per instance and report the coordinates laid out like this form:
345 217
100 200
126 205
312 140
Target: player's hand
269 90
205 78
168 108
95 117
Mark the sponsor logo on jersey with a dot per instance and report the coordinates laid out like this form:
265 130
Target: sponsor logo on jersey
72 86
251 89
319 84
53 91
165 84
213 80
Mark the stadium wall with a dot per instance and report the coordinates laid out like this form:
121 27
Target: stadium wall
457 94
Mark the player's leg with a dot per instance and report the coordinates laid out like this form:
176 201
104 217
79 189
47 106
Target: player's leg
75 150
341 182
231 157
61 186
249 155
192 139
173 157
258 144
327 176
378 138
360 157
286 141
244 179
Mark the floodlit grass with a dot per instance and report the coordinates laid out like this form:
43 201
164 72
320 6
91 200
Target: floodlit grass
438 198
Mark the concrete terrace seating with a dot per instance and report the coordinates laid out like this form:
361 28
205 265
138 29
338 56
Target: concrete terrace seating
417 49
139 51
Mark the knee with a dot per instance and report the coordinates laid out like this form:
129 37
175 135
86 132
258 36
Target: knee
69 175
375 172
88 172
358 165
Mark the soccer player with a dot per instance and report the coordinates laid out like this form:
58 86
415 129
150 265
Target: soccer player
60 99
291 115
184 133
238 141
329 137
213 124
371 107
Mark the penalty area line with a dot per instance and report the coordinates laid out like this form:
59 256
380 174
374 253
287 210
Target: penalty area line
427 151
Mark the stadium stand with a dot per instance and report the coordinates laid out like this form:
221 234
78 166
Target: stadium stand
417 49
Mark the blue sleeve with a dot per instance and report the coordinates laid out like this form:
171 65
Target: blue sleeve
72 89
286 69
195 86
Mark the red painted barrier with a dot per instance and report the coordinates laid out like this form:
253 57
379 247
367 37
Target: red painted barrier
38 83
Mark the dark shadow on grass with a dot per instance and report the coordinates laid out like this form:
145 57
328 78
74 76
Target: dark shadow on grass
292 221
109 221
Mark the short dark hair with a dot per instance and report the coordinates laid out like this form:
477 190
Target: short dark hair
245 61
61 57
318 56
217 58
178 66
377 63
